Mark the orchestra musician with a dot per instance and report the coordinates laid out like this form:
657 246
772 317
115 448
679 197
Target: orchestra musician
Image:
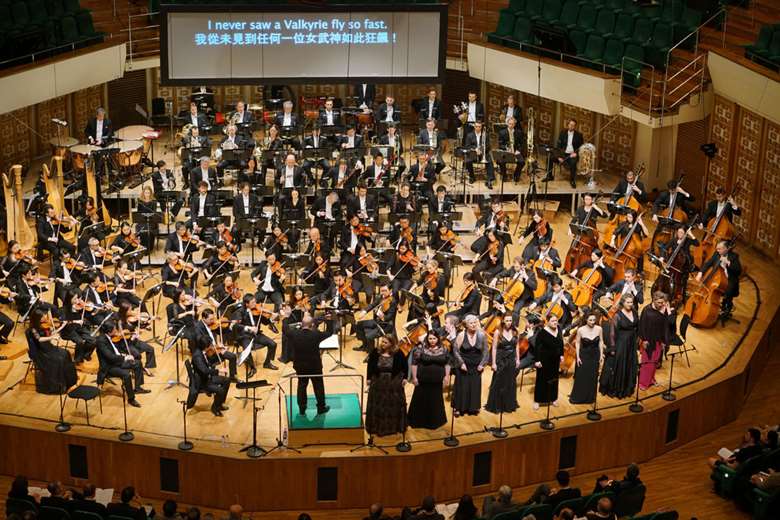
149 206
538 229
518 273
441 203
290 175
326 208
99 130
569 142
478 141
195 143
385 309
387 112
242 119
597 262
512 139
403 202
402 267
377 175
630 284
511 111
195 118
129 323
292 207
351 139
94 257
328 115
225 294
363 204
319 274
624 228
554 296
341 294
181 242
267 276
176 275
15 260
674 196
491 257
278 242
589 211
245 205
495 219
91 226
126 241
315 141
181 314
402 231
50 230
364 93
29 289
252 173
73 315
422 176
340 176
434 140
203 203
66 273
474 111
286 118
722 205
207 334
353 236
232 141
98 293
125 283
469 301
543 251
394 141
629 187
164 183
203 173
222 262
274 144
430 107
727 259
250 317
114 363
442 240
210 378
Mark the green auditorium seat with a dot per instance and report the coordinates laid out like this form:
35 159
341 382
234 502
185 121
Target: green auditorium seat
615 5
762 41
569 13
660 43
624 27
605 24
551 11
84 24
594 50
516 6
521 34
633 56
773 49
670 12
578 39
731 482
69 31
613 55
72 7
21 15
506 23
55 9
643 31
690 21
586 20
539 512
533 9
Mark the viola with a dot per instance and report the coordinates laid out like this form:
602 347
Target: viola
73 265
25 256
260 312
132 239
406 234
105 286
181 265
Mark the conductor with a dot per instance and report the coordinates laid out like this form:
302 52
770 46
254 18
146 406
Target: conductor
306 358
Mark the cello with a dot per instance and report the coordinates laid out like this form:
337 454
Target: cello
673 275
542 266
718 228
586 285
669 218
626 256
583 243
703 306
621 206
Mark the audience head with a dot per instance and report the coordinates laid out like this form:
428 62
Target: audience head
563 478
54 488
169 508
505 494
565 514
376 509
632 472
753 436
127 494
304 516
604 506
428 504
19 487
235 512
466 507
193 513
771 439
89 490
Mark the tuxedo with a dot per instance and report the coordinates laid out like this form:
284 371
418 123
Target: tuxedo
307 362
330 178
566 302
365 94
187 118
481 142
197 175
622 187
298 177
248 208
209 206
246 337
429 110
372 172
336 118
531 254
733 272
354 205
712 211
664 200
319 205
616 289
357 140
515 112
207 379
519 149
113 364
280 120
383 110
106 134
570 162
479 114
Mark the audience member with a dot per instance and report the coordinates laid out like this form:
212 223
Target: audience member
169 511
602 484
427 510
564 514
236 512
125 508
539 495
466 509
630 481
87 502
603 511
19 489
564 491
193 513
58 496
751 446
500 503
375 512
768 480
304 516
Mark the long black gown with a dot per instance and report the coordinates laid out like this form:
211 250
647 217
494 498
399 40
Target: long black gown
618 377
502 395
386 404
467 390
55 372
584 389
426 409
548 351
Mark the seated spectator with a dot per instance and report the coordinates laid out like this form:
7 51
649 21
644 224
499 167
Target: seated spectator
208 516
19 489
375 512
539 495
501 503
564 514
236 512
58 496
304 516
466 509
603 511
602 484
87 502
751 446
169 511
564 491
768 480
630 481
428 510
771 440
193 513
125 508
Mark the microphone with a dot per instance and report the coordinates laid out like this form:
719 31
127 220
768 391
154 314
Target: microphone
59 121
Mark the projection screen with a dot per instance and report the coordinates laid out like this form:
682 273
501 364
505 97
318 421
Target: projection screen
354 43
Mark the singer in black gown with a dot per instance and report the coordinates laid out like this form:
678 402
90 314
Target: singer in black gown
55 372
502 396
619 375
386 403
548 351
588 356
430 368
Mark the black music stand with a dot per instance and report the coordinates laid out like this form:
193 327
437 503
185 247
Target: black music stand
151 221
62 426
280 442
170 344
253 450
547 424
451 441
501 156
125 436
668 394
345 316
252 226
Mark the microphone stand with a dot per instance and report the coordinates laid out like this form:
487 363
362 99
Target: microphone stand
184 445
547 424
593 414
668 394
280 441
125 436
452 441
404 446
62 426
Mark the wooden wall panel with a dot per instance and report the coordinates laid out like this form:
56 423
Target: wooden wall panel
722 129
545 125
690 159
124 94
767 237
615 145
15 138
53 108
495 99
746 169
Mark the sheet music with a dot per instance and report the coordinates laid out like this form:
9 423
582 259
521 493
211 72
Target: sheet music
331 343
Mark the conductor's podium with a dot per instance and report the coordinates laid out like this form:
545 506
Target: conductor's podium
342 424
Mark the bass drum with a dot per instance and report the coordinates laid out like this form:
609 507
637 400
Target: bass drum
587 159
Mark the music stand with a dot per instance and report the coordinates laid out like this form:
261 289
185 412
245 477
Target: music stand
501 156
345 316
185 444
151 293
451 441
175 342
253 450
293 262
251 226
152 222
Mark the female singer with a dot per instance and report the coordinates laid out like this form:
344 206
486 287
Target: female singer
618 376
147 205
55 372
386 403
505 361
588 342
471 355
430 372
656 331
548 353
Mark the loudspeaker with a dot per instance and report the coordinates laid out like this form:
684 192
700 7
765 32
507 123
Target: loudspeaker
169 475
567 456
327 484
483 462
672 422
77 459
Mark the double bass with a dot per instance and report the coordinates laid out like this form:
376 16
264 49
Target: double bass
583 243
703 305
673 273
622 204
718 228
669 218
626 256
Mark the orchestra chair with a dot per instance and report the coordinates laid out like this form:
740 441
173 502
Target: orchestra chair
31 366
86 393
630 501
53 513
680 340
103 378
160 116
192 385
18 506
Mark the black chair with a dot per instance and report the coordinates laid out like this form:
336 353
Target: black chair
19 506
590 501
680 340
86 393
192 385
630 501
53 513
160 116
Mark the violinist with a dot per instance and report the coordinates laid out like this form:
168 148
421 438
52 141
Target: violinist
629 187
15 260
98 293
208 334
56 370
353 236
94 257
727 259
630 284
222 262
129 324
443 240
363 205
403 202
114 363
378 174
318 273
402 231
75 329
290 175
383 322
597 262
673 197
67 275
181 313
517 273
341 294
552 298
491 258
364 262
203 203
422 176
225 294
125 281
395 142
210 378
6 323
326 209
180 242
403 266
177 275
432 280
91 225
126 242
538 228
223 234
469 300
50 230
28 292
316 245
278 242
249 334
495 220
267 276
340 176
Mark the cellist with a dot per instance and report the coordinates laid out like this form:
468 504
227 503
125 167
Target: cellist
517 274
629 187
587 213
622 231
556 295
683 238
725 258
596 262
585 240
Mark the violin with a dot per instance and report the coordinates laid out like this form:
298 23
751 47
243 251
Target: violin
409 257
362 230
235 292
278 269
106 255
221 323
25 256
261 312
541 228
406 234
227 256
367 261
73 265
105 286
431 281
449 237
86 306
6 292
132 240
181 265
346 291
227 238
302 304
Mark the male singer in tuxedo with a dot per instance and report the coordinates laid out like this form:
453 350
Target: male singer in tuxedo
430 107
365 94
569 142
306 359
512 139
479 142
99 130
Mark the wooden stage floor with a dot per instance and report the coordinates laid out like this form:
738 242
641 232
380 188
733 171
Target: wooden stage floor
720 353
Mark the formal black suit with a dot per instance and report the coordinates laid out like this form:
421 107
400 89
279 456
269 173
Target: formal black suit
330 178
353 205
307 362
203 338
531 254
479 112
323 118
481 142
245 337
519 149
427 111
516 113
319 142
357 141
186 115
45 230
566 302
375 177
712 211
365 94
381 113
570 162
207 379
319 206
616 289
622 187
471 304
280 120
239 211
197 175
113 364
733 272
241 144
210 208
664 200
529 286
91 130
276 295
368 330
298 177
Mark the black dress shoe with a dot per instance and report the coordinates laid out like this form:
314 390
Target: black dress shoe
233 379
3 341
302 412
142 391
270 366
134 403
224 408
489 185
323 410
216 412
252 371
573 184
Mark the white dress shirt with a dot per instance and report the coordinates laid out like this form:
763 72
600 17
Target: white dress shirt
569 141
289 177
472 117
99 130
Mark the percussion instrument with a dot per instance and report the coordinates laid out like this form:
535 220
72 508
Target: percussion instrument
132 132
80 153
60 145
130 153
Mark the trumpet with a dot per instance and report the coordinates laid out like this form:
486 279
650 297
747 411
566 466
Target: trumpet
484 147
